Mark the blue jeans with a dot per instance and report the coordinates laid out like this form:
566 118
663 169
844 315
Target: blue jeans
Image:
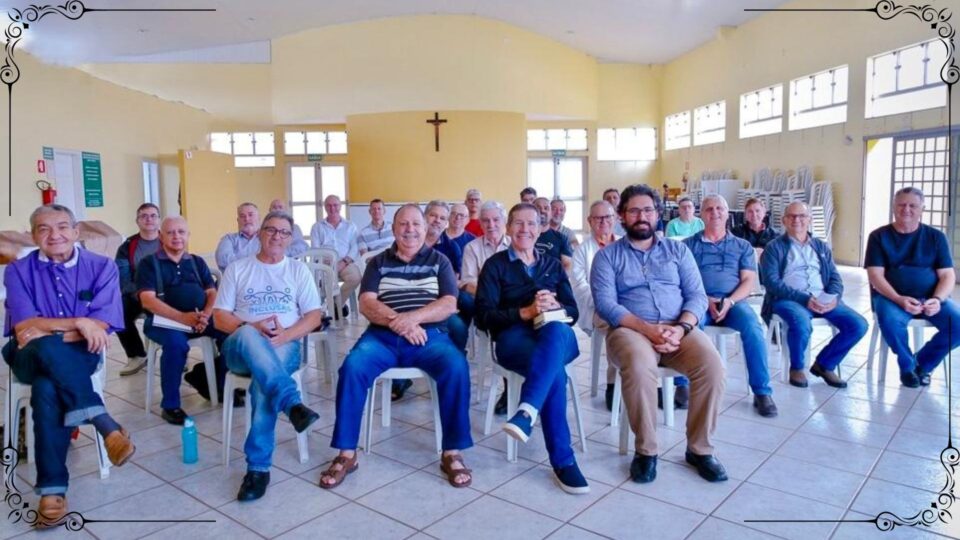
541 357
173 356
458 325
272 390
851 327
380 349
893 326
62 397
742 318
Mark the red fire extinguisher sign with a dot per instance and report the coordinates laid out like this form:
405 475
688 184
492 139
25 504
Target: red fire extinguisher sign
41 166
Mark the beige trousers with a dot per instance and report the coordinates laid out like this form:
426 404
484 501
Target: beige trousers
697 359
350 276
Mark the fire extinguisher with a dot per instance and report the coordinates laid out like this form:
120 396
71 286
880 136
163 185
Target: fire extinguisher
47 191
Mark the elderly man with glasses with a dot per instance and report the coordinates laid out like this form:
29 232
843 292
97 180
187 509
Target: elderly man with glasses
803 283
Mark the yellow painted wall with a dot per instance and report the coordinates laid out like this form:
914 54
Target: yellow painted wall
391 156
66 108
431 63
776 48
210 192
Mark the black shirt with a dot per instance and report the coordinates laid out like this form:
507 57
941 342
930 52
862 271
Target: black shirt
553 244
756 239
910 261
184 284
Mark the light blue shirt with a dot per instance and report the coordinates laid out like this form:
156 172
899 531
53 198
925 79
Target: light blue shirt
656 285
802 271
342 238
235 246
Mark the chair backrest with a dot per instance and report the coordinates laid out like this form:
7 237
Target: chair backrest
326 279
365 258
327 256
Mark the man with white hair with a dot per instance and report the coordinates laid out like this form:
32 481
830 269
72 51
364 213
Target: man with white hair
340 235
601 219
242 243
473 202
729 270
298 245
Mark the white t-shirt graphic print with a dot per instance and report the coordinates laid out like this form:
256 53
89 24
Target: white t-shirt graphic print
254 290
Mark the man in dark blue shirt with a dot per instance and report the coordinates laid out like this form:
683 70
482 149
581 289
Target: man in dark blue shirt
911 274
177 290
550 242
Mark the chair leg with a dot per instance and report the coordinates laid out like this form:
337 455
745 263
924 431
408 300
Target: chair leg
491 405
882 367
209 364
368 421
152 351
227 423
303 448
437 424
668 416
617 401
386 401
624 429
577 413
596 341
513 401
873 344
102 457
9 409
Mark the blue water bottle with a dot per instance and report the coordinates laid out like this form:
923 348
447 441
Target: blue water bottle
189 438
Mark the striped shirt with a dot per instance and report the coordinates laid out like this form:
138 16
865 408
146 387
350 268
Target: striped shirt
375 239
408 286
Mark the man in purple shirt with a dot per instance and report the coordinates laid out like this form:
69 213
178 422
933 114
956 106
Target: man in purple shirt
62 301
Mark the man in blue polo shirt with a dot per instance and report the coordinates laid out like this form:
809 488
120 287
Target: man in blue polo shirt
176 287
729 270
407 293
911 277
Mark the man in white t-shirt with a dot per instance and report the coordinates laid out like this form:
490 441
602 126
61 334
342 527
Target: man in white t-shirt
267 303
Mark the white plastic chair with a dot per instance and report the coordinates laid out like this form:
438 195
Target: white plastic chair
597 344
385 379
325 353
779 327
514 382
719 336
235 381
18 396
916 327
666 385
205 344
329 257
480 346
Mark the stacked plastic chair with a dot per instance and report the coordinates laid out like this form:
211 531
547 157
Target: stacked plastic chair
822 213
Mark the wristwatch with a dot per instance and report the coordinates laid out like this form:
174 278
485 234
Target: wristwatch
687 327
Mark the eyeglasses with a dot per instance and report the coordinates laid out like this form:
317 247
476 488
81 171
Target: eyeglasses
603 219
796 216
273 231
647 210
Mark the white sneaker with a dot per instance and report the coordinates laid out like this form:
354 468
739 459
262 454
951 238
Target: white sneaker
134 365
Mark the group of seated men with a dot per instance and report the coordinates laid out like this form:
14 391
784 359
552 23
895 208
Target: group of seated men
651 296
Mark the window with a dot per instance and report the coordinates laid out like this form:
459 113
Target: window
676 130
151 182
308 185
250 149
301 143
563 178
627 144
819 99
710 123
921 162
556 139
761 112
906 80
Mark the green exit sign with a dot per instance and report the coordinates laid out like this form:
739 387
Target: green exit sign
314 157
559 153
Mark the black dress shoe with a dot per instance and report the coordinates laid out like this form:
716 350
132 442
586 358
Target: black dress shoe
398 388
910 379
346 311
500 408
708 467
681 397
765 406
608 396
174 416
922 378
302 416
660 398
239 397
643 469
829 377
254 486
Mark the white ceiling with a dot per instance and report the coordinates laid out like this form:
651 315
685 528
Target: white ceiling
638 31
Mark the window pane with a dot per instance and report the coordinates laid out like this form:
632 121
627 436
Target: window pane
305 215
536 139
911 68
243 143
841 80
570 179
303 185
556 139
333 181
220 142
576 139
540 176
338 142
293 143
253 161
264 141
316 142
574 217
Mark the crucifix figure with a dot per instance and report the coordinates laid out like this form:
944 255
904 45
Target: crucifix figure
436 121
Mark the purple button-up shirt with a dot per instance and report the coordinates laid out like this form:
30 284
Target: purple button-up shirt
87 285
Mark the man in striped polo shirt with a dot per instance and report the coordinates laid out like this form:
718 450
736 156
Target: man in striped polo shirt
407 293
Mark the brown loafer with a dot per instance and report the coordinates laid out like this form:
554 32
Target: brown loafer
829 377
798 379
50 511
119 447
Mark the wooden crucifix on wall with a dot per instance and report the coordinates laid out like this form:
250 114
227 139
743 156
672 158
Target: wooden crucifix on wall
436 121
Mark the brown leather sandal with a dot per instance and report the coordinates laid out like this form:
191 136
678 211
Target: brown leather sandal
347 466
446 463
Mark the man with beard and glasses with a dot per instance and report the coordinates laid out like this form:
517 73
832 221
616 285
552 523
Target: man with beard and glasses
550 242
649 291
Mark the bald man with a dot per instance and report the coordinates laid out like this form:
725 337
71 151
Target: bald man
177 291
298 245
802 283
340 235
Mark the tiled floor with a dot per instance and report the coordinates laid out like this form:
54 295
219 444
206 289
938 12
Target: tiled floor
830 455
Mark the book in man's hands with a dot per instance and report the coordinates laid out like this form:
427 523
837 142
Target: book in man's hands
171 324
551 316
